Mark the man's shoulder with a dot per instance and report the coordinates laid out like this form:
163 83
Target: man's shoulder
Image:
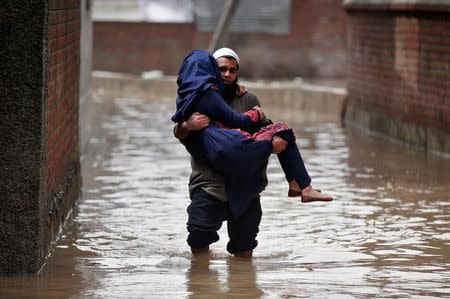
244 103
250 98
249 95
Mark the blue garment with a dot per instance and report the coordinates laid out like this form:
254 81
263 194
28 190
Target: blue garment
199 71
199 78
238 158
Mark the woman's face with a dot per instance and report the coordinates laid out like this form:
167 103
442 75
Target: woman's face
228 69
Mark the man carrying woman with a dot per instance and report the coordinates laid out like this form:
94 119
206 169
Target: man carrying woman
235 147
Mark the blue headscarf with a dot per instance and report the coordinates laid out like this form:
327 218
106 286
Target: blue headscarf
199 71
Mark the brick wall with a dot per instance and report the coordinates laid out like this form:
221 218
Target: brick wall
61 163
399 69
138 47
63 89
39 161
315 46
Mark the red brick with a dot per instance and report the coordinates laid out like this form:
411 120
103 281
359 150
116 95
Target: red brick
415 85
62 86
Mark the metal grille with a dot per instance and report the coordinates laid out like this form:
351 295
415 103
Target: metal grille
262 16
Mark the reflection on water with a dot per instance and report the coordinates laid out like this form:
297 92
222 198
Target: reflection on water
386 235
204 278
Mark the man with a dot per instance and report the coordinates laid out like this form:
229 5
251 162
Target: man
208 207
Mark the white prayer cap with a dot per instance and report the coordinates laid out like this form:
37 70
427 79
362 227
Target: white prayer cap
226 52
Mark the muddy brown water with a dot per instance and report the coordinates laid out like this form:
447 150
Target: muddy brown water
386 235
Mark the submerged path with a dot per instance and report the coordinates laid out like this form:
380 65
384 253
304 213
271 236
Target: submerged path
387 234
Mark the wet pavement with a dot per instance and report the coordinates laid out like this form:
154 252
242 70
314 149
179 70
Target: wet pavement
386 235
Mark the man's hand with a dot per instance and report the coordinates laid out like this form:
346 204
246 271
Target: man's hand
197 121
241 90
278 145
262 116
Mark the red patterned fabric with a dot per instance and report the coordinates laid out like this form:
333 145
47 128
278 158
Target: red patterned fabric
253 114
265 133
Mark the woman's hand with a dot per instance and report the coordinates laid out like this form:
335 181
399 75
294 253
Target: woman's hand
262 116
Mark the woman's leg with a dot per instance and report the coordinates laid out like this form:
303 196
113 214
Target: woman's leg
296 174
293 166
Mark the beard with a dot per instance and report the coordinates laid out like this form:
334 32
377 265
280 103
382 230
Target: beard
230 90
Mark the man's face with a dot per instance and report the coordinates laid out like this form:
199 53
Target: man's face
228 69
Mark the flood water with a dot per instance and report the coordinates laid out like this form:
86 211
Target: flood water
386 235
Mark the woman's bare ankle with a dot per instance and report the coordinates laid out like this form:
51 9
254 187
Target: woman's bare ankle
308 189
294 186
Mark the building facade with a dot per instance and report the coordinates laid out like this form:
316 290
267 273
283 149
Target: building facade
40 153
283 39
399 70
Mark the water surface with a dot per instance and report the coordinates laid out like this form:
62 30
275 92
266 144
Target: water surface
386 235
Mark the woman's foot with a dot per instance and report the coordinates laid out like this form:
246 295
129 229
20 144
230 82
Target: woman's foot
308 194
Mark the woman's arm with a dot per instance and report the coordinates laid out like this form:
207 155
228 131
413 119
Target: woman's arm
213 105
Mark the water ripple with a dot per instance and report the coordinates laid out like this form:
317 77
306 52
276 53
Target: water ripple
387 233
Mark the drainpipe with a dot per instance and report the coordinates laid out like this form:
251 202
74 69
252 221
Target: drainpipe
223 24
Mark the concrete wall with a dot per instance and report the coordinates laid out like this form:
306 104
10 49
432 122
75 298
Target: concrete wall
283 101
399 70
86 114
315 46
39 163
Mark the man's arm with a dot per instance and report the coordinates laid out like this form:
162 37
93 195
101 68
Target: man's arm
180 131
195 122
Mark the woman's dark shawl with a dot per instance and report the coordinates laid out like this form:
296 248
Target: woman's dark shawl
198 73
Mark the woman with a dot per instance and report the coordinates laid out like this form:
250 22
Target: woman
226 143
